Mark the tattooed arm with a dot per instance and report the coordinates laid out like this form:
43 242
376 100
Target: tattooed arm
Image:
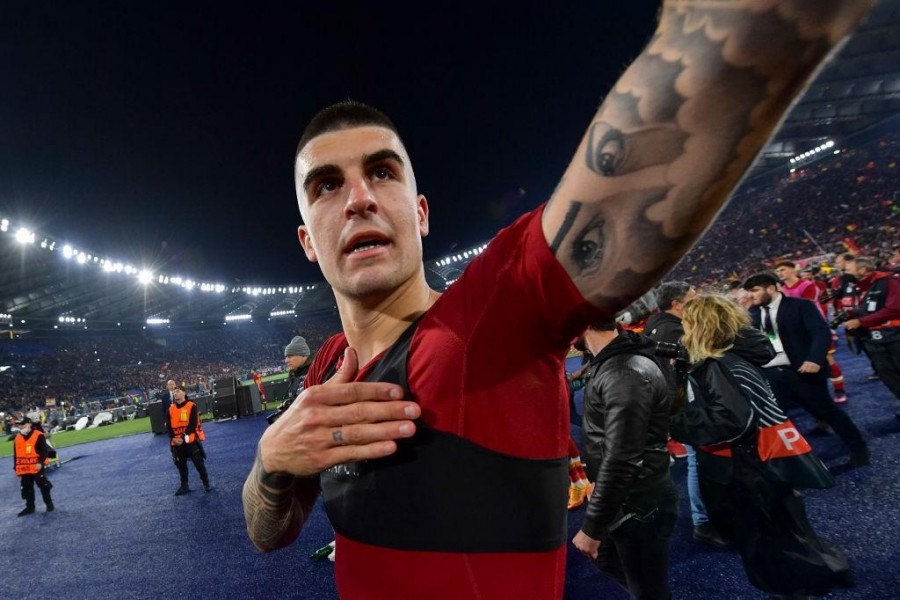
677 132
276 506
340 421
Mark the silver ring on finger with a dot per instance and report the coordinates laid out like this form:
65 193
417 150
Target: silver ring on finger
338 436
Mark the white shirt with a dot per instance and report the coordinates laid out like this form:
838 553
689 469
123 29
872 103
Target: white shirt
781 359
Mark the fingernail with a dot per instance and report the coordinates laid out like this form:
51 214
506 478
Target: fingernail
406 429
395 393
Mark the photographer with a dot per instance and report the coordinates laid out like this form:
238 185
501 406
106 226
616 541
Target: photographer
630 516
665 326
879 313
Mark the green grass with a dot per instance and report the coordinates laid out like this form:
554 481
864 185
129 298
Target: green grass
63 439
267 378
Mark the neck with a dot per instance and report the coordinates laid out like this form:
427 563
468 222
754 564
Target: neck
373 323
791 282
598 340
674 312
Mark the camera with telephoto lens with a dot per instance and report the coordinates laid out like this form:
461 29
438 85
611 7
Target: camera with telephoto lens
678 354
840 317
675 351
830 295
681 363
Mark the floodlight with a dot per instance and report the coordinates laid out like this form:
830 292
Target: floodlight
145 277
23 236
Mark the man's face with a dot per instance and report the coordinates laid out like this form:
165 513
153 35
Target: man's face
170 385
851 267
294 362
762 295
678 305
180 396
25 428
363 220
786 273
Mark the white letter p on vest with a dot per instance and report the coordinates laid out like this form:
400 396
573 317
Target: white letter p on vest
789 436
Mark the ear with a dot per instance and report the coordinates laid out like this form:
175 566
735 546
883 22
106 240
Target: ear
306 243
422 211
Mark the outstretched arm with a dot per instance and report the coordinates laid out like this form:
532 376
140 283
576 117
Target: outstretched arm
677 132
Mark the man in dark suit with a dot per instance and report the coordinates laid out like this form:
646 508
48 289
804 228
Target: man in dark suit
168 397
799 373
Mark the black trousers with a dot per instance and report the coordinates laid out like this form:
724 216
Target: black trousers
810 392
27 482
780 550
885 357
193 452
636 553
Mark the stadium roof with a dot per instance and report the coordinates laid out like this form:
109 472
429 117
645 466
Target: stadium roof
44 286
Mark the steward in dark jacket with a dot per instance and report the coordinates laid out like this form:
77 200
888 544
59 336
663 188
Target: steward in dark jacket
627 402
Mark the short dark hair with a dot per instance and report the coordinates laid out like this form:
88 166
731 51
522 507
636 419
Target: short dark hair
344 115
669 292
735 284
761 280
847 255
786 263
864 261
607 324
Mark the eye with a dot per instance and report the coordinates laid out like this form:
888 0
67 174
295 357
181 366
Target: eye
587 248
606 149
382 173
326 186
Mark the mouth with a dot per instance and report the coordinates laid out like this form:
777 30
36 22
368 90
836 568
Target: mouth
366 242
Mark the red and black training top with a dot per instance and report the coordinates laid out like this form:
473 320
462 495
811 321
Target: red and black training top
474 506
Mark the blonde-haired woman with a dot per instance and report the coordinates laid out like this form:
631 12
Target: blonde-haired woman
751 458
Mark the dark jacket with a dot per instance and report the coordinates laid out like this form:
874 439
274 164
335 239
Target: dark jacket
803 331
296 378
664 327
724 416
627 402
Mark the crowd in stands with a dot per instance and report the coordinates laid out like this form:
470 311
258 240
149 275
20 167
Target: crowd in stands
843 202
74 369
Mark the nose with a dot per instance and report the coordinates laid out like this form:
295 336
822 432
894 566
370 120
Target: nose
360 198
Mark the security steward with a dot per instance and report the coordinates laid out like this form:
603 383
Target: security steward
879 313
183 427
32 453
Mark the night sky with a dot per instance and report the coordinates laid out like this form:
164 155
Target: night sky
164 135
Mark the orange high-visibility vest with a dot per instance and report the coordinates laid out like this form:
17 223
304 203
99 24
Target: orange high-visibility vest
179 417
27 457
